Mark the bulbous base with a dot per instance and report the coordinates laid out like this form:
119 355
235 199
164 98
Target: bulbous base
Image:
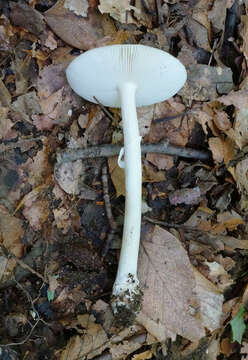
126 301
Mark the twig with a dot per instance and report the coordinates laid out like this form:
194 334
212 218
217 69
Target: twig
110 217
32 326
109 150
164 223
106 112
172 117
146 8
159 222
159 12
8 254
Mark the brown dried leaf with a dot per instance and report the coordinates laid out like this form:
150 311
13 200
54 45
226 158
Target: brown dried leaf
25 16
80 346
143 356
161 161
226 347
216 146
26 106
11 232
96 29
5 97
239 132
117 175
185 196
222 121
168 281
176 130
211 300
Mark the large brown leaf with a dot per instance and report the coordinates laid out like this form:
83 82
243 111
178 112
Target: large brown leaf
77 31
170 302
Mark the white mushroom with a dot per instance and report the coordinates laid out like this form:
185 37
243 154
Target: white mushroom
127 76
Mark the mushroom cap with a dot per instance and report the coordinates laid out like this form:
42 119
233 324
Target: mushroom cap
101 72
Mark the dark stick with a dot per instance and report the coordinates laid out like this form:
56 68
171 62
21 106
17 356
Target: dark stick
109 150
106 112
108 209
159 12
172 117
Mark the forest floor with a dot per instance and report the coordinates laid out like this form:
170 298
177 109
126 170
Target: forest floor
61 218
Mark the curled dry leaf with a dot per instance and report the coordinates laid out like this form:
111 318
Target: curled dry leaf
79 7
170 303
117 9
239 132
80 346
216 146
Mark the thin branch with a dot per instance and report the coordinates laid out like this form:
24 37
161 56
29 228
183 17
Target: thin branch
159 12
8 254
109 213
109 150
172 117
105 110
32 326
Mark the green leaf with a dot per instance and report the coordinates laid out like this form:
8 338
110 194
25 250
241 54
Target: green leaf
50 295
238 326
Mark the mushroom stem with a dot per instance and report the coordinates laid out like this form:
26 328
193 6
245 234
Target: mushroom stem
126 291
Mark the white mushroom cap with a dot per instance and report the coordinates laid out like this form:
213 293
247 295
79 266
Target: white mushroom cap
100 72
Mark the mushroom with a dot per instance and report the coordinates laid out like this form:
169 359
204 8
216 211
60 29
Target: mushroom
127 76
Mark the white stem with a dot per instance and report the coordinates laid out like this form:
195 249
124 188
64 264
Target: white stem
127 270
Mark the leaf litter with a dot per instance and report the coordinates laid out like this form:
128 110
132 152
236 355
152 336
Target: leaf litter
54 223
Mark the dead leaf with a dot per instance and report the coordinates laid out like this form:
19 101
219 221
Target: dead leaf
96 29
226 347
216 146
185 196
11 232
117 175
217 15
211 300
5 97
94 337
117 10
161 161
26 106
204 82
218 275
5 123
143 356
228 220
37 213
166 275
239 132
222 121
244 34
25 16
79 7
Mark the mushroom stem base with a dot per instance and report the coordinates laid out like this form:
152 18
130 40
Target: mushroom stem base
126 301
